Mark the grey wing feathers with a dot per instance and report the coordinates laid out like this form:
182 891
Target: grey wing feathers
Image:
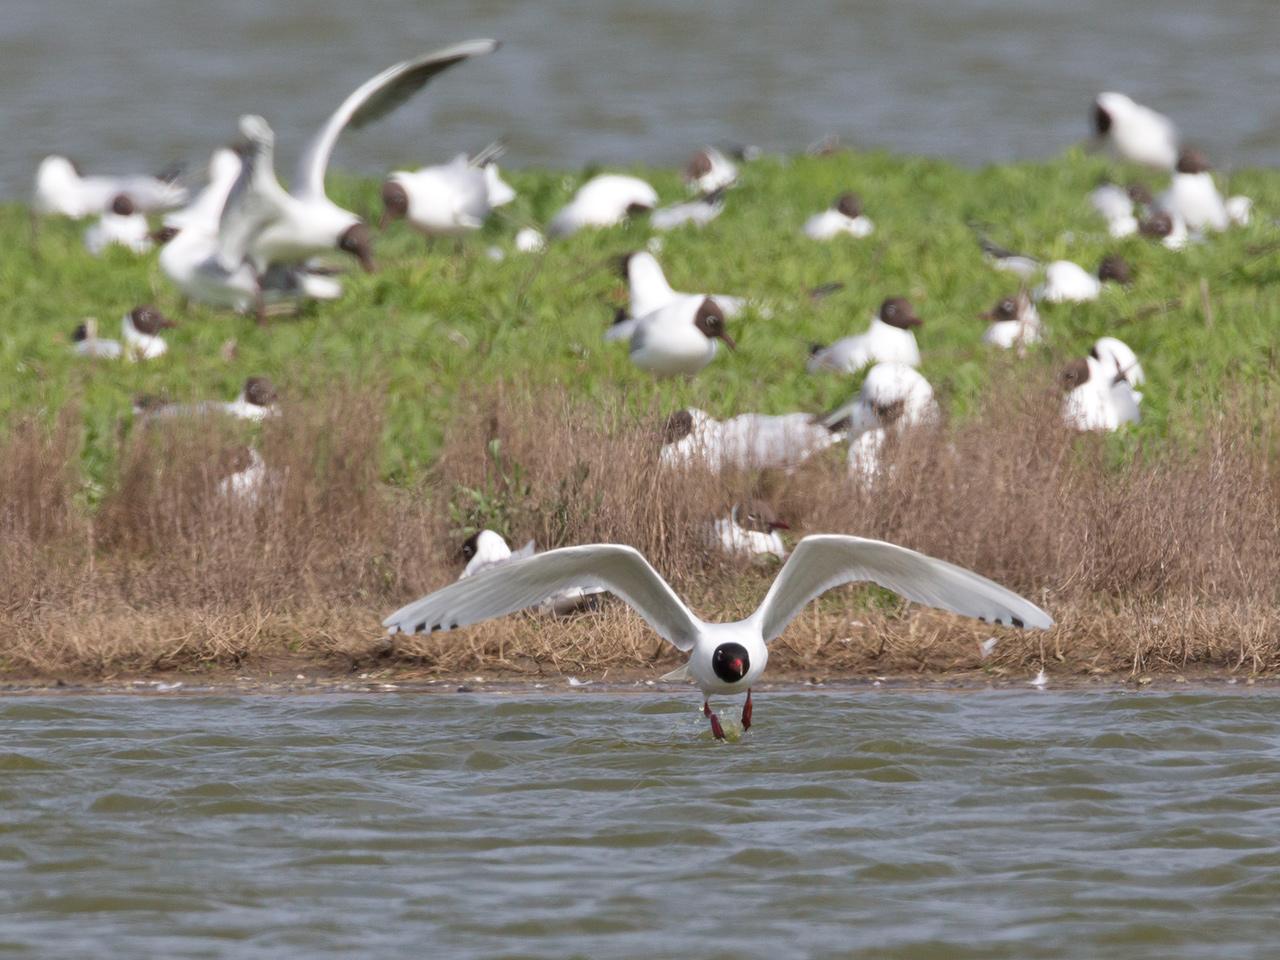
821 563
255 197
374 99
519 584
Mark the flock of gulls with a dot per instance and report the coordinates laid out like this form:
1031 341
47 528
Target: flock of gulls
244 242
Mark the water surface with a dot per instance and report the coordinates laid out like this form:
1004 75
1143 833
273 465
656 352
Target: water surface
134 84
848 824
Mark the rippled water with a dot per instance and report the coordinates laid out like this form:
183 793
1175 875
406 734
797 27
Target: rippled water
846 824
137 83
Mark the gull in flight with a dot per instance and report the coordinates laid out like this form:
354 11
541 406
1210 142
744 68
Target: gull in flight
724 658
264 224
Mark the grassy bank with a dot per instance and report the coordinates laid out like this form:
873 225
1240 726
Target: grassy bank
450 391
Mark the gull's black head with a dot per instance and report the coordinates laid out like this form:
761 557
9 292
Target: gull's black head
395 203
1157 225
1005 309
1101 120
1115 267
468 550
1192 161
260 392
355 241
1074 374
850 204
149 320
163 235
730 662
1140 193
897 312
678 426
699 165
710 320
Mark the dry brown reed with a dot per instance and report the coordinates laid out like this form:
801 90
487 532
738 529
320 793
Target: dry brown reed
1149 557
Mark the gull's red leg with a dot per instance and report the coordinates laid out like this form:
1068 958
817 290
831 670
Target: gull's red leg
746 712
717 731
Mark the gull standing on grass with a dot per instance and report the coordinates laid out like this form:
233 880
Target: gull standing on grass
750 530
449 199
724 658
749 441
603 201
844 217
680 338
649 291
62 190
887 340
121 226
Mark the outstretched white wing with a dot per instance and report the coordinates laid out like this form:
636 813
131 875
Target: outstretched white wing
822 562
514 586
256 198
373 100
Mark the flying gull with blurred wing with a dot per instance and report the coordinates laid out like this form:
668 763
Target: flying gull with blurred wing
724 658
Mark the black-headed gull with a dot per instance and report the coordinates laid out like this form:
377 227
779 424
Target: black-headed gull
1010 261
267 224
648 291
679 339
1116 205
61 190
141 328
709 170
206 207
603 201
887 340
1012 322
1137 133
448 199
1166 227
844 217
1097 398
750 530
1192 196
698 212
893 398
122 225
255 401
87 343
724 658
242 473
1067 282
749 441
1118 358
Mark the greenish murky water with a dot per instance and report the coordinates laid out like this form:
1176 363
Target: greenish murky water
856 823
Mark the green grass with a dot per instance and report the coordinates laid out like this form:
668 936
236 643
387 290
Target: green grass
432 323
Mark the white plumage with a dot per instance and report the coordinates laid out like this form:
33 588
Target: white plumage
724 658
887 340
1136 133
603 201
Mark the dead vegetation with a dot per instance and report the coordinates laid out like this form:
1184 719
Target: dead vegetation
1150 558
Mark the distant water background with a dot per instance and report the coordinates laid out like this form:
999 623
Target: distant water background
137 84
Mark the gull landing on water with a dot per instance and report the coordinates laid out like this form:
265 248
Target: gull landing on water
724 658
